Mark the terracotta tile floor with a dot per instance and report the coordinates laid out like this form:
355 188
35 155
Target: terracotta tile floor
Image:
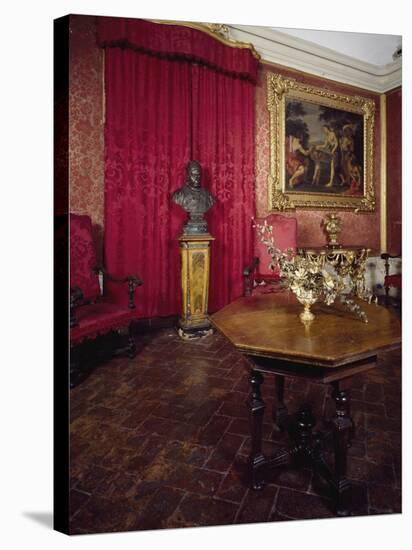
161 441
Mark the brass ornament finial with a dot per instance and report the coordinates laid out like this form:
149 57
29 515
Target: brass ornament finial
333 226
219 29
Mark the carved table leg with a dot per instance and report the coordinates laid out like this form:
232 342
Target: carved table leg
343 426
305 423
257 407
280 412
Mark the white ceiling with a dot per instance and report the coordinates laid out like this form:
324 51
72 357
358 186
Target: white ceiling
359 59
376 49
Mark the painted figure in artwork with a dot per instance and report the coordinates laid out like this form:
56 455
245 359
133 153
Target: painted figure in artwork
295 161
316 157
330 146
347 148
355 177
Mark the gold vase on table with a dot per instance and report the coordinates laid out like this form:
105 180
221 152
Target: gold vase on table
307 298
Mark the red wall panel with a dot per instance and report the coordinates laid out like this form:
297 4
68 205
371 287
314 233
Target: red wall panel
394 170
86 124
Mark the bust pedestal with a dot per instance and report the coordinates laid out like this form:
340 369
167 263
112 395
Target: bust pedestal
195 263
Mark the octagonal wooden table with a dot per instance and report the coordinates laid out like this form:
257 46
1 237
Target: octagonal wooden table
331 349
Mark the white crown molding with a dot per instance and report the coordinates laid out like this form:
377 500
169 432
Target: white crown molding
296 53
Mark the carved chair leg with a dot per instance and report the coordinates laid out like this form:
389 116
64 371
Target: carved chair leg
256 410
76 374
343 429
280 411
247 285
128 342
386 295
131 350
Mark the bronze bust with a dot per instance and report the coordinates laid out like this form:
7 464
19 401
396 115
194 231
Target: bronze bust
194 199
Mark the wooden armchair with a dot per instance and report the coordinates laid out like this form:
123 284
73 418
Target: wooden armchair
391 281
258 278
92 313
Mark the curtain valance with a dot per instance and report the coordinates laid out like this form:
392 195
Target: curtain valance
177 42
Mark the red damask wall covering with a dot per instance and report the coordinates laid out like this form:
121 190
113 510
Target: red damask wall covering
86 146
394 174
86 124
358 229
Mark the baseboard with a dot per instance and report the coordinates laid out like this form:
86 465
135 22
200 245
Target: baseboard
154 323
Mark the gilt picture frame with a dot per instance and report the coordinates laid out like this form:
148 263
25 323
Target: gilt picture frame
321 147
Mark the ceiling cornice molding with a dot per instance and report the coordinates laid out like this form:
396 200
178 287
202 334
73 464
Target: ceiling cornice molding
296 53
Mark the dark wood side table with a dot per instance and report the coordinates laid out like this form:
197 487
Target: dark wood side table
332 349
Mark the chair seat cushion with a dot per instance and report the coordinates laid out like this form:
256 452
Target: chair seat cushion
99 318
273 277
268 287
393 280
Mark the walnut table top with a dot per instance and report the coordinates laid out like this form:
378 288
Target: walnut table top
268 325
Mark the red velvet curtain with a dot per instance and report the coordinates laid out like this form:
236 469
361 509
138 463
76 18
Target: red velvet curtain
146 150
160 113
224 144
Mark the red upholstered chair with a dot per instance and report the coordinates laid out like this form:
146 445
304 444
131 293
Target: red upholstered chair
257 276
394 281
91 314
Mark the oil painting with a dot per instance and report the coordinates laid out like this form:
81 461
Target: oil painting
321 147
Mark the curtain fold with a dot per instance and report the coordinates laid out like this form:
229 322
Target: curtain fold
146 151
223 118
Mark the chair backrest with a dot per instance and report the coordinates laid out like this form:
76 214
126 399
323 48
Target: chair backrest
83 257
284 236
